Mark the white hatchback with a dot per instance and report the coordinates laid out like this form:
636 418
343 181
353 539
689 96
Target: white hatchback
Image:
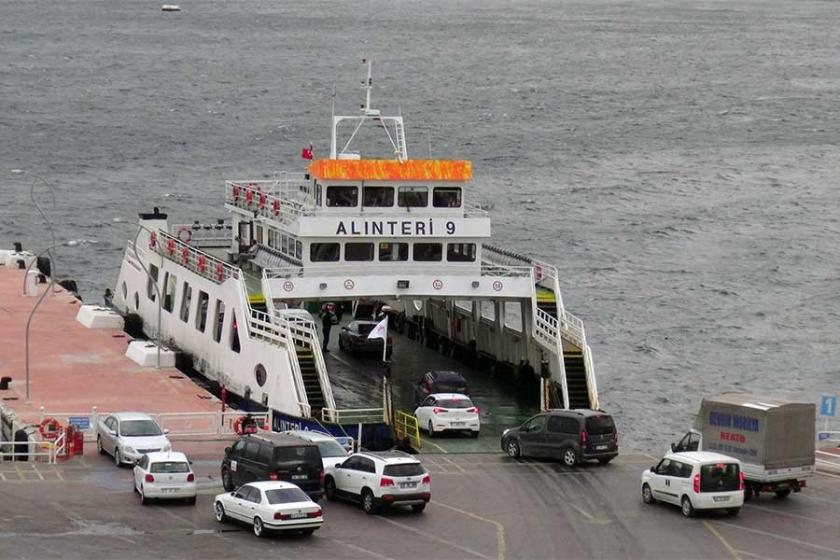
270 506
167 476
448 412
696 480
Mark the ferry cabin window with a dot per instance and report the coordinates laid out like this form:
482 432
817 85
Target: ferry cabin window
393 251
170 284
460 252
201 314
219 320
358 251
185 302
413 197
342 196
298 250
324 252
447 197
151 283
378 196
259 235
426 252
234 333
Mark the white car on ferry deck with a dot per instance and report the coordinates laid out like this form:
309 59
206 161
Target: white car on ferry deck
127 436
451 412
332 452
166 476
270 506
696 480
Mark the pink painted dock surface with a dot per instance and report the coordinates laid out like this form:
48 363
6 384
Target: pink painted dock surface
72 368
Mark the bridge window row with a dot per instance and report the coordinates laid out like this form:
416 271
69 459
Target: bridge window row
286 244
339 196
390 252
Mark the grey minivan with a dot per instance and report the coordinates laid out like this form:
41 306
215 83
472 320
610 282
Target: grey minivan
569 435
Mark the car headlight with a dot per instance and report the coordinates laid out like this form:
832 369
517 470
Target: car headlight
129 450
167 447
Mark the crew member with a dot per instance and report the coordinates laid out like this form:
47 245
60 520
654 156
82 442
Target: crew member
328 319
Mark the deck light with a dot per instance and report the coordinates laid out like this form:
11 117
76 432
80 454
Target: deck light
402 284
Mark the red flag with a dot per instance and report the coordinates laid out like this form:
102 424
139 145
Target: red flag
306 153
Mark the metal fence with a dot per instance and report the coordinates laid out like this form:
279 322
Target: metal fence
406 426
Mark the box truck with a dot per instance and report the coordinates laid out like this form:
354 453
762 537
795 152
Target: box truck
773 438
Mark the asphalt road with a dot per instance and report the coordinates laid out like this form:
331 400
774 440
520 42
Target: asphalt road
484 506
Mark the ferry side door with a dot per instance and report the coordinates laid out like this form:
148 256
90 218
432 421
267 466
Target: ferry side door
532 437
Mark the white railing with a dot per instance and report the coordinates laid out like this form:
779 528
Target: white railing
353 415
204 235
203 264
267 198
591 385
31 449
305 333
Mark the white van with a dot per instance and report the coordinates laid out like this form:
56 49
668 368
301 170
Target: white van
696 480
333 450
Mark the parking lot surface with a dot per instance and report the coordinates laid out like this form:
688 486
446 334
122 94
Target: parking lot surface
483 506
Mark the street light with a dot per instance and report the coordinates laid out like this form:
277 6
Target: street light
35 179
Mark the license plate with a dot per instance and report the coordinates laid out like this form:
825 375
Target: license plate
408 484
298 515
721 498
458 423
601 447
169 490
299 477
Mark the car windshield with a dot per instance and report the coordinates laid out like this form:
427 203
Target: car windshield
286 496
364 329
331 448
170 467
303 454
455 403
600 424
720 477
139 428
405 469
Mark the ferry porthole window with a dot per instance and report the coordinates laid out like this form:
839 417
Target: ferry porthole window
260 374
136 301
124 291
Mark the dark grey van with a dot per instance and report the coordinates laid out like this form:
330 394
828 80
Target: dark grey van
569 435
272 456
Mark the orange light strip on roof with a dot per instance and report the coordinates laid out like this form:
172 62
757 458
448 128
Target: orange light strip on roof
390 170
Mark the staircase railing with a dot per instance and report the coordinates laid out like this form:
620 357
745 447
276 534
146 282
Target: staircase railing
305 332
546 333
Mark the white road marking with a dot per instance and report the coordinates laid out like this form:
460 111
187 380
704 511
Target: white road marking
781 538
432 537
500 529
360 549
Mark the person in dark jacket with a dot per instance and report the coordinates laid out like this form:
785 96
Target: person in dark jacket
328 319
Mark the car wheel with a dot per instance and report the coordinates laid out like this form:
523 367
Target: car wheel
99 446
570 457
329 488
431 429
368 502
418 508
687 508
219 511
341 345
647 495
782 494
143 499
474 434
513 450
307 532
117 458
732 512
605 460
227 483
259 530
191 501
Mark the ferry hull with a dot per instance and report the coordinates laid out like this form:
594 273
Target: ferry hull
375 437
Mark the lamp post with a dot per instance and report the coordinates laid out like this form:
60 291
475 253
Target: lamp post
35 179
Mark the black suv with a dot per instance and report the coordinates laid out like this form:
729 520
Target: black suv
440 382
271 456
569 435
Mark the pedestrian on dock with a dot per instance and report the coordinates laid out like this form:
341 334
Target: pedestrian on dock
328 319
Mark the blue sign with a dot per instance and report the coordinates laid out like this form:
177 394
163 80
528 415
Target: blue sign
822 436
828 405
79 422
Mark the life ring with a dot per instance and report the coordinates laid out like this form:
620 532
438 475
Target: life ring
262 200
185 238
170 245
202 263
49 428
276 206
185 254
235 193
220 271
241 429
249 197
152 240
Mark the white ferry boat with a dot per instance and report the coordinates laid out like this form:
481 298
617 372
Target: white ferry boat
395 230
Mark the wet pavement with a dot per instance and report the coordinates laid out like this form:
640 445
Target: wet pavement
356 384
484 506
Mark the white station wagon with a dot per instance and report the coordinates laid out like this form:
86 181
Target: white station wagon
696 480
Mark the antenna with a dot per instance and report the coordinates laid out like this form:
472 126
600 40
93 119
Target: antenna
333 100
368 86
